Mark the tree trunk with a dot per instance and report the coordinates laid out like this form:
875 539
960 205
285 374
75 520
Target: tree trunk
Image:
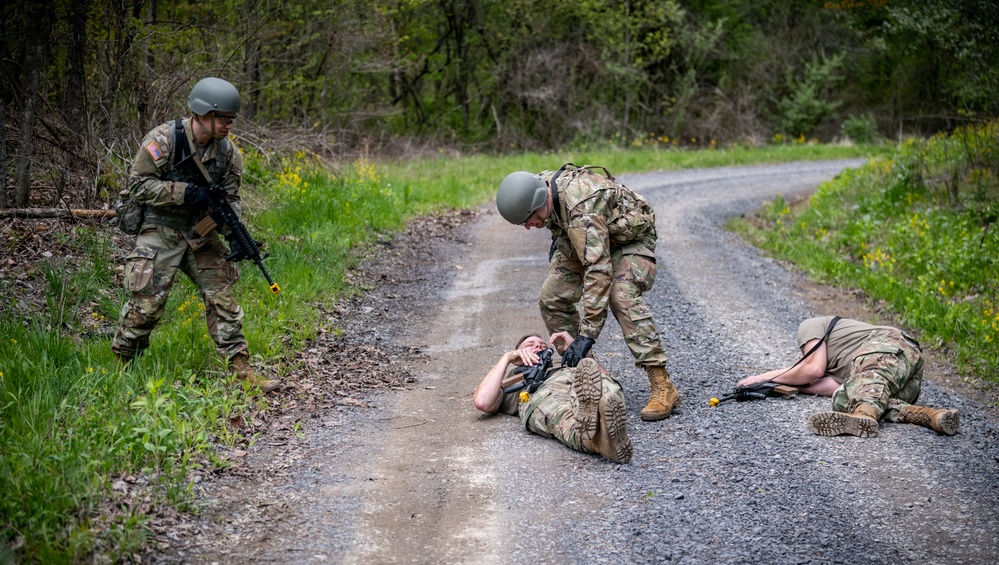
253 53
35 55
147 72
55 213
3 135
75 97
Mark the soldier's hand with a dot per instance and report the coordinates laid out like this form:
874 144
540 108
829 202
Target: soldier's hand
560 341
523 357
217 191
577 351
195 196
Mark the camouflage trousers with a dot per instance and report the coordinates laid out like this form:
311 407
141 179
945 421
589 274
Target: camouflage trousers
887 372
633 275
551 410
150 270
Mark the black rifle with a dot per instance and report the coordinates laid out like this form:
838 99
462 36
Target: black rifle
534 375
757 391
241 245
762 390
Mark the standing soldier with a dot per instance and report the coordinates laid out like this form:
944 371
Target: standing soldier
170 174
603 251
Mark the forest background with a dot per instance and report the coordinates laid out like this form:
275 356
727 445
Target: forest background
83 80
358 115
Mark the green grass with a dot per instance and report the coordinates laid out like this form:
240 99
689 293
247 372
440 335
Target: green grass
916 230
72 423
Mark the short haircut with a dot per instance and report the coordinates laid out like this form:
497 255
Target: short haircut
521 340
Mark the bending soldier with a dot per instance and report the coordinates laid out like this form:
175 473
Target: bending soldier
873 373
582 407
175 204
603 252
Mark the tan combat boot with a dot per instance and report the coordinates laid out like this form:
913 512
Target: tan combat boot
942 421
862 422
239 365
663 399
611 439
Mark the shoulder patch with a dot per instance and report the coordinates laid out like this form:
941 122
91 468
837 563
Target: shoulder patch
154 150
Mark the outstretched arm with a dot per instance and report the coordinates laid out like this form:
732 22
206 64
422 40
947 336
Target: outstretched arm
489 394
809 375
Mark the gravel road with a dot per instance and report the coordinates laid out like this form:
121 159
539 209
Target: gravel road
419 476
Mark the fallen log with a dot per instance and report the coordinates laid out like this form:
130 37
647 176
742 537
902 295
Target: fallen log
54 213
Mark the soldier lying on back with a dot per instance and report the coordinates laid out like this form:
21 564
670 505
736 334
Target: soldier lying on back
582 406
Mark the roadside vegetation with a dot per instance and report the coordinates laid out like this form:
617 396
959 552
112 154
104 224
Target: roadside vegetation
916 229
89 451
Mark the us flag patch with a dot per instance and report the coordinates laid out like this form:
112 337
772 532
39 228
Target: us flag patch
154 151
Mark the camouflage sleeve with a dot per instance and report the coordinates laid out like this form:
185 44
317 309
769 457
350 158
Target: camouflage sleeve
587 232
146 179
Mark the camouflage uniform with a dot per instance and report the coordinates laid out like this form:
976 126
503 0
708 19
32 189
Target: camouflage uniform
550 411
876 365
603 251
167 242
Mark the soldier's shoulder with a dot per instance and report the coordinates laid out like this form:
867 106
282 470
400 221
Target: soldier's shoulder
155 151
234 154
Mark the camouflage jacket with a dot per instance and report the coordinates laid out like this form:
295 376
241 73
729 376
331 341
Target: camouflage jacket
155 182
595 217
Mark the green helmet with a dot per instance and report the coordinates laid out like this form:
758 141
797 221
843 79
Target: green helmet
519 195
213 95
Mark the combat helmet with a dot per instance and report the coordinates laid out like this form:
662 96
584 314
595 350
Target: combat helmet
213 95
519 195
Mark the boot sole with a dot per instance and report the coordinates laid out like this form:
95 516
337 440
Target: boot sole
948 422
840 423
587 383
615 416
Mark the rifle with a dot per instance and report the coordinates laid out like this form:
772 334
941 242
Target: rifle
533 376
762 390
242 246
757 391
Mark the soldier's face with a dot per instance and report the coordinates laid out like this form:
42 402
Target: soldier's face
222 123
537 218
534 343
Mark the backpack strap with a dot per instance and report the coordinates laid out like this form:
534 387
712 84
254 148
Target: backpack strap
184 159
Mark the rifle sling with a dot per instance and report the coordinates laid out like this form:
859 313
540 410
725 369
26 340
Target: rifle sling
184 158
556 205
829 329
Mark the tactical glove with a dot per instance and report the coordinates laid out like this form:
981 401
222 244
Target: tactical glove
195 196
577 351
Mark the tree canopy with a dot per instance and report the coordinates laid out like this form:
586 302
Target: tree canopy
83 79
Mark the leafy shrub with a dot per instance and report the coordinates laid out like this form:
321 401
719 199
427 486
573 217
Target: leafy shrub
862 129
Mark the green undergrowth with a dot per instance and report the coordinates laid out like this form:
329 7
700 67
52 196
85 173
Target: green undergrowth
916 229
88 450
